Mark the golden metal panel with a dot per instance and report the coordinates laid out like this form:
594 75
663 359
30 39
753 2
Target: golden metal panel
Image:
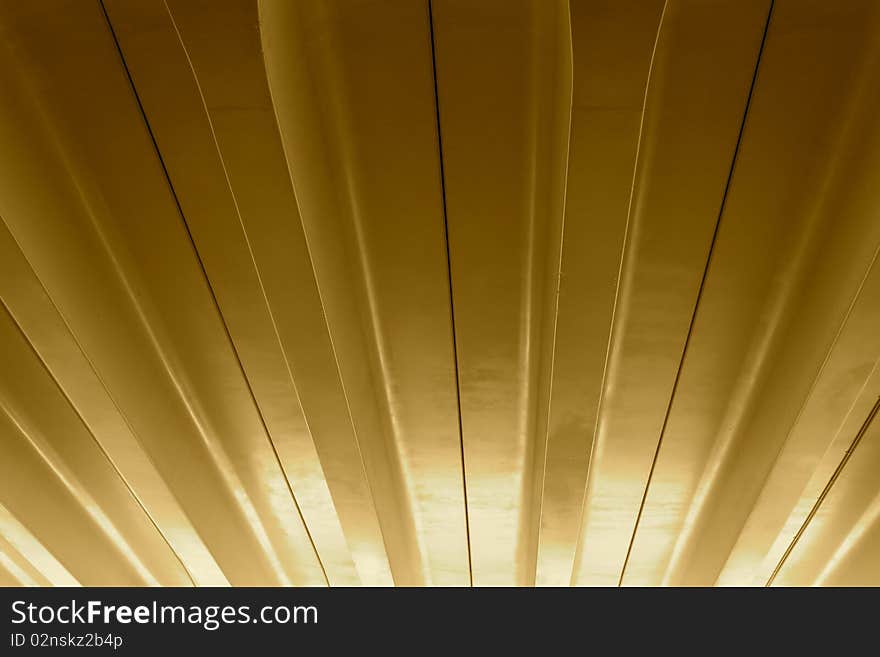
611 49
110 237
810 180
505 163
367 180
160 66
697 90
447 292
842 531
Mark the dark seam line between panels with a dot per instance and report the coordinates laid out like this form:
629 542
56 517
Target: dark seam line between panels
699 291
815 509
94 438
449 276
611 340
208 283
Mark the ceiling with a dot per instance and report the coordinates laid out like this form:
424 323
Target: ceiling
439 293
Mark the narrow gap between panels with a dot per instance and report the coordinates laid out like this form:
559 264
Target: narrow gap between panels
835 475
204 272
699 292
467 525
88 428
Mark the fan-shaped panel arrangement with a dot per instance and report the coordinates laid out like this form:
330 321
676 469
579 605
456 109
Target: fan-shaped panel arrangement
439 293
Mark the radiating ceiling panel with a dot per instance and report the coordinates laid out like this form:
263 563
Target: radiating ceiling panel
843 524
816 174
217 214
69 475
107 241
367 177
699 81
304 292
504 90
26 561
32 310
612 43
840 399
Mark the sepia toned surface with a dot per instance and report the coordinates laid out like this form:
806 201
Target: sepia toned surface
449 293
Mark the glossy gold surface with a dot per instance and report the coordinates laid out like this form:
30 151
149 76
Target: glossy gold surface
448 293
